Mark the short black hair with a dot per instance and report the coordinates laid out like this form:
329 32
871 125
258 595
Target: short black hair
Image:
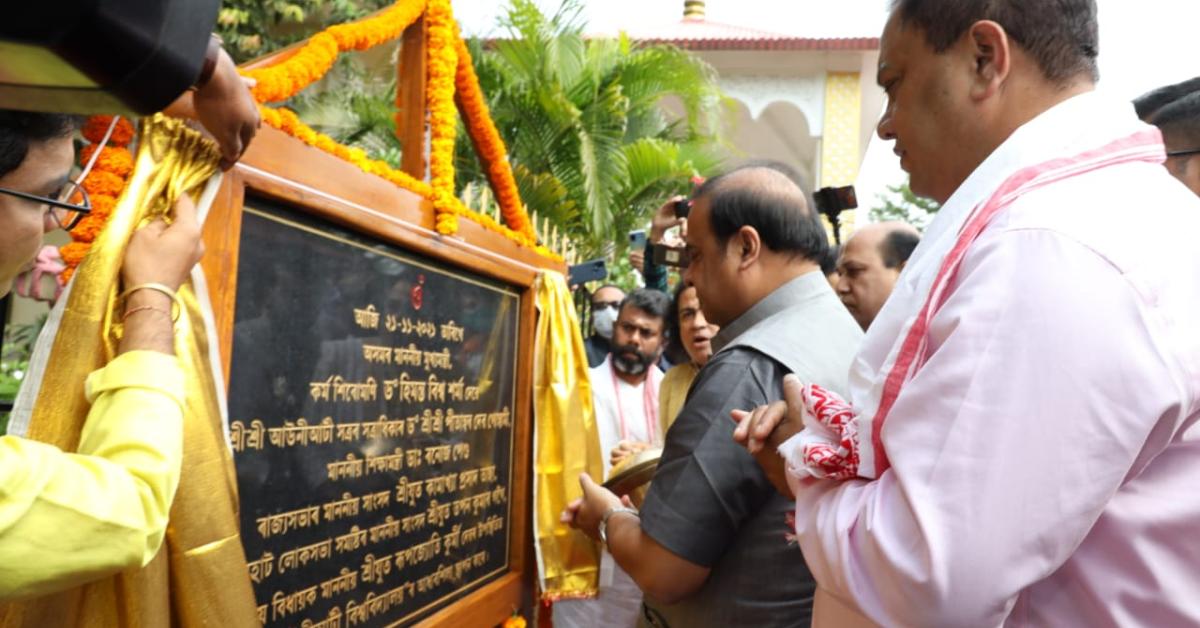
20 129
676 352
776 208
1063 36
656 303
1179 122
897 246
829 262
1149 103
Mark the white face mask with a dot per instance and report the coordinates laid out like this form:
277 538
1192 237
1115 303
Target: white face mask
603 321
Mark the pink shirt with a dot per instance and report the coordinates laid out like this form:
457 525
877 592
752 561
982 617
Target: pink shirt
1045 461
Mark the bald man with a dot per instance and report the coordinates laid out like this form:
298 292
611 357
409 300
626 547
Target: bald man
870 264
706 548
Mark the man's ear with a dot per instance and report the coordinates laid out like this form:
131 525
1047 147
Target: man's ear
749 246
992 52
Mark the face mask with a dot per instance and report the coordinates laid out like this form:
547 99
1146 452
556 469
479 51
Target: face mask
603 321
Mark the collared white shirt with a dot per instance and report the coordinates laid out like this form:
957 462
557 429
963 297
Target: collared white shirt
614 398
1045 460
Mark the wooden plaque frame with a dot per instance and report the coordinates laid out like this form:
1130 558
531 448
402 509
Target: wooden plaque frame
285 169
313 182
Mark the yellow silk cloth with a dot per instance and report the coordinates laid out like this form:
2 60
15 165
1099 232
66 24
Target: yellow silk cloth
566 443
199 578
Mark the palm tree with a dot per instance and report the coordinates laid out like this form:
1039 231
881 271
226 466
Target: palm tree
592 148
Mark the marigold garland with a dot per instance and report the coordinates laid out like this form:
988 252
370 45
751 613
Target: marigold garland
72 254
100 182
114 159
103 204
96 126
287 121
440 65
449 68
316 56
104 184
491 147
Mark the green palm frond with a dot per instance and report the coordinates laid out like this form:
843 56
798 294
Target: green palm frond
545 192
601 133
591 148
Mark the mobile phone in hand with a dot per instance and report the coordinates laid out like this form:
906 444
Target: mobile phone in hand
637 239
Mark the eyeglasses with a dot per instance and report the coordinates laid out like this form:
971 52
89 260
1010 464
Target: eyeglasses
67 206
600 305
1184 153
70 204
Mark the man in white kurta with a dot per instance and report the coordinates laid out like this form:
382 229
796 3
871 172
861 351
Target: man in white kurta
625 397
1035 460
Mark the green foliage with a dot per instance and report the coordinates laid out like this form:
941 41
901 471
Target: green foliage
901 204
592 149
355 108
350 104
252 28
14 362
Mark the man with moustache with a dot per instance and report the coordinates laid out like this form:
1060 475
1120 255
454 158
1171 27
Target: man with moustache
708 546
1022 445
625 397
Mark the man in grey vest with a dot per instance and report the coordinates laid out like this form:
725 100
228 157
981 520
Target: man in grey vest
706 547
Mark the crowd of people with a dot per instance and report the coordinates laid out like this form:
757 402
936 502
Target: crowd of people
992 422
995 425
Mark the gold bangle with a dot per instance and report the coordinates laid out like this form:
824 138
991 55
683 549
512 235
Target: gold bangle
176 304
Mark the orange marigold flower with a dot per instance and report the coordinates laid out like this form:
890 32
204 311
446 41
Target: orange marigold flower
483 132
72 254
99 182
449 71
96 126
314 59
114 159
103 204
89 228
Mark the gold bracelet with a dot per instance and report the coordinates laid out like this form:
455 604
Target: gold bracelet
176 303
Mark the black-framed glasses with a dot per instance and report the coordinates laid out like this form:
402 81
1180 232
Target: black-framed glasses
1184 153
67 206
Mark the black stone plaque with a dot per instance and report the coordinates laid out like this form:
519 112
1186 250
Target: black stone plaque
371 409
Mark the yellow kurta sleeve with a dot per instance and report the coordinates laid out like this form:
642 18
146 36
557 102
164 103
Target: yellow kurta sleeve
68 518
672 393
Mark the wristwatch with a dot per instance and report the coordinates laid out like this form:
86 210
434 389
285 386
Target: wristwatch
604 520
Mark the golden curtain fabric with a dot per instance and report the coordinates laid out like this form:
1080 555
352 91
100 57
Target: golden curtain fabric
199 578
566 443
